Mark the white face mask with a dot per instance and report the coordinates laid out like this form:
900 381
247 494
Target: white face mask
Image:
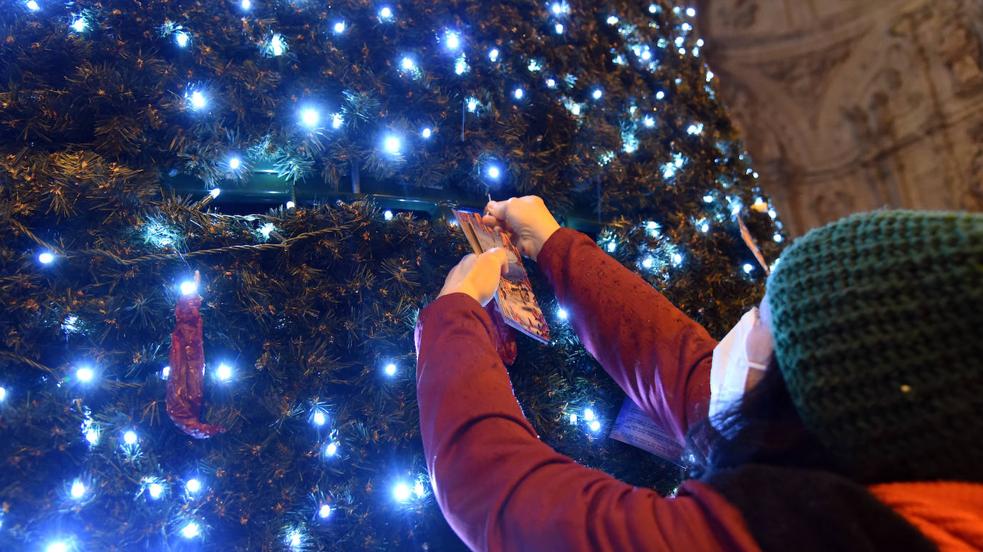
731 373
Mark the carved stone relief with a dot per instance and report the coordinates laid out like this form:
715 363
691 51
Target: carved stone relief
850 105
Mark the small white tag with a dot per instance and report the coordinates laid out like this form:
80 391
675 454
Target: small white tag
635 428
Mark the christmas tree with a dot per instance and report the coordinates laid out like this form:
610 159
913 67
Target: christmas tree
340 135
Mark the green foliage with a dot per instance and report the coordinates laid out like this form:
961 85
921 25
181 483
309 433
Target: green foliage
310 310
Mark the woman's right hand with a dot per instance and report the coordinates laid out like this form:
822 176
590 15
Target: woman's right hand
526 219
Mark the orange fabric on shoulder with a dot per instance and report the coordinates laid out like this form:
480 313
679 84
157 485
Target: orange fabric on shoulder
949 513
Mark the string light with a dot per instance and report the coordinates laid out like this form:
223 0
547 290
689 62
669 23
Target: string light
589 415
392 144
130 437
558 28
189 287
154 488
493 172
677 259
79 25
276 46
594 426
402 492
294 539
390 369
77 490
534 66
33 5
493 54
339 27
748 268
60 545
319 418
215 192
612 246
182 39
426 133
193 486
550 83
310 117
695 129
461 65
198 100
648 121
386 14
472 104
452 40
85 374
562 313
407 63
235 162
612 20
597 94
224 372
778 238
246 5
660 95
388 214
419 489
559 8
191 530
331 449
691 12
518 93
648 262
46 257
290 205
3 394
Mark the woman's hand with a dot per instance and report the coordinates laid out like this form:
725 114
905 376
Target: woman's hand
477 275
526 219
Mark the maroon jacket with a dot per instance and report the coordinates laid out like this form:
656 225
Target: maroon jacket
499 486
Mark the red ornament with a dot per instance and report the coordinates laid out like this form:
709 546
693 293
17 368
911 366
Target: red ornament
185 384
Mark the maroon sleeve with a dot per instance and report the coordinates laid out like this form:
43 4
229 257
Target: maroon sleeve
501 488
658 355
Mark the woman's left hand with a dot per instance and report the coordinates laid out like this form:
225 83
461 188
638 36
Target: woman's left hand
477 275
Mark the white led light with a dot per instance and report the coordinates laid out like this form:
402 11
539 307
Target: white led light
85 374
190 530
390 369
595 426
402 492
748 268
57 546
79 25
290 205
324 512
32 5
648 262
277 45
331 449
419 490
494 172
155 490
558 28
246 5
452 40
426 133
215 192
310 117
562 313
388 215
3 394
193 486
46 257
660 95
78 490
182 39
386 13
493 54
189 287
589 414
235 163
518 93
648 121
130 437
407 63
198 100
597 94
612 20
338 27
319 418
551 83
392 144
223 372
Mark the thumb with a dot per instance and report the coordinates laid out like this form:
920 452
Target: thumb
497 256
496 210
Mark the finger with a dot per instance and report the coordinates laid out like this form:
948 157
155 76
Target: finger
498 255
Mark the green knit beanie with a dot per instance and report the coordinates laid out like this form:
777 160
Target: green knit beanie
878 327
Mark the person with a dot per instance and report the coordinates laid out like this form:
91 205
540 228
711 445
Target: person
863 433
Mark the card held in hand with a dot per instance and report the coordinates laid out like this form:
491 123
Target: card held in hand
514 299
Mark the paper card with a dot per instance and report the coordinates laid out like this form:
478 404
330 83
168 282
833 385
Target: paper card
635 428
515 298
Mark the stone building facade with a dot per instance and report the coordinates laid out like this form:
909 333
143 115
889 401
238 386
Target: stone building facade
851 105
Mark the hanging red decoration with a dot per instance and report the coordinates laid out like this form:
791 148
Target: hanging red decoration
185 385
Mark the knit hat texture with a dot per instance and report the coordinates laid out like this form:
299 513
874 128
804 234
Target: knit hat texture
878 327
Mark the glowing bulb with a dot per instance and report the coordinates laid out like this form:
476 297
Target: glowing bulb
518 93
407 63
386 13
597 94
223 372
648 121
319 418
277 45
559 8
426 133
695 130
778 238
79 25
594 426
419 490
235 162
246 5
562 313
612 246
704 227
290 205
390 369
648 262
494 172
558 28
130 437
461 66
691 12
189 287
388 215
472 104
612 20
677 259
182 39
92 436
3 394
324 512
493 54
155 490
294 539
78 490
190 530
85 374
198 100
46 257
748 268
193 486
452 40
708 198
331 449
574 418
32 5
215 192
392 144
589 414
550 83
310 117
660 95
338 27
57 546
402 492
686 27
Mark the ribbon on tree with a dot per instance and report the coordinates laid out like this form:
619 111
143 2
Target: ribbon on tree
185 384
